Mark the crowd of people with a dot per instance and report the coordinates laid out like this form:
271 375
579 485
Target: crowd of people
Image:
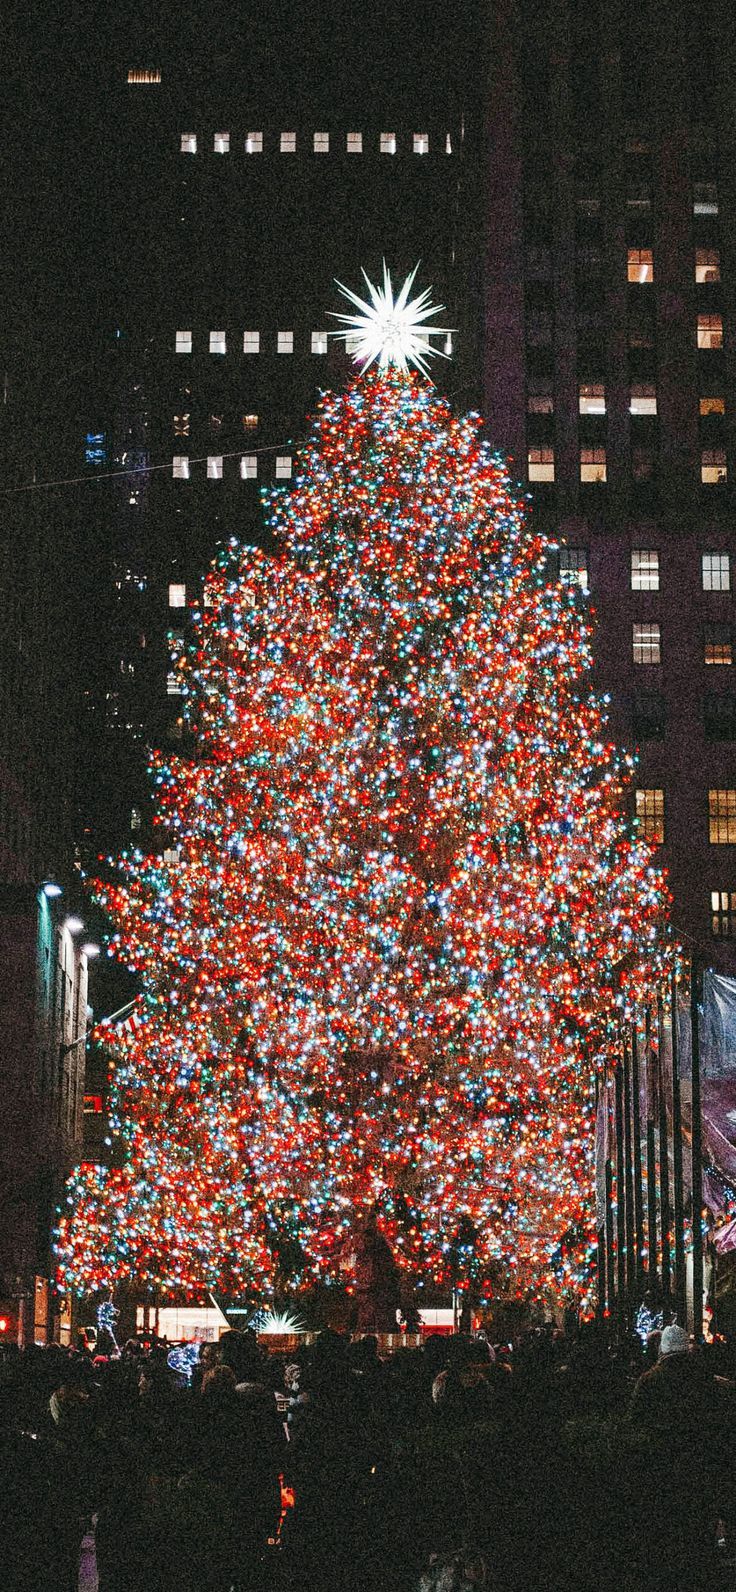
553 1463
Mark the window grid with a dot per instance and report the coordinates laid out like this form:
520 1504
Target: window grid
713 467
189 143
593 464
254 144
387 143
319 342
177 594
284 342
718 644
541 464
722 817
218 343
283 466
720 716
288 143
710 331
183 343
592 399
214 467
249 467
221 143
354 143
723 913
644 569
646 641
640 265
650 814
420 143
716 572
707 266
573 565
643 398
321 143
251 342
180 467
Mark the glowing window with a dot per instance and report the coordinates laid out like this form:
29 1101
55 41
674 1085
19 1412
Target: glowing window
177 594
718 645
321 143
214 467
649 810
712 406
644 569
539 399
189 143
707 265
218 343
723 913
640 265
319 342
249 467
221 143
387 144
354 143
713 469
183 343
251 342
448 145
646 642
592 399
180 469
250 422
574 565
593 464
643 399
420 143
541 464
722 817
710 331
141 75
705 199
716 572
283 466
288 143
254 144
284 342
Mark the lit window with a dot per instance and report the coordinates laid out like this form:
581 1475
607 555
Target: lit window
218 343
539 399
177 594
214 467
707 265
650 815
189 143
319 342
640 265
644 569
723 913
643 400
181 467
254 144
705 199
173 684
648 716
646 642
283 466
321 143
251 342
141 75
541 464
135 818
354 143
448 145
593 464
713 471
181 425
221 143
574 565
421 143
92 1105
716 572
288 143
722 817
249 467
183 343
284 342
388 143
720 717
710 331
250 422
712 406
718 644
592 399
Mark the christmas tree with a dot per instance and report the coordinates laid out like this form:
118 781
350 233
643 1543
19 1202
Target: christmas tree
406 914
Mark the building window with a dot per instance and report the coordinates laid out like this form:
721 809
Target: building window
593 464
144 75
538 328
321 143
643 399
183 343
641 330
177 594
639 198
640 265
723 913
180 467
214 467
539 400
644 569
135 818
573 563
716 572
218 343
722 817
420 144
319 342
710 331
173 684
250 422
288 143
646 641
719 717
251 342
712 406
718 644
705 199
387 143
648 716
592 399
707 265
222 143
650 815
541 464
189 143
181 425
254 144
448 145
713 471
249 467
642 464
284 342
283 467
354 143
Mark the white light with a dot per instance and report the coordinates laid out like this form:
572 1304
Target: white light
90 950
390 330
52 890
74 925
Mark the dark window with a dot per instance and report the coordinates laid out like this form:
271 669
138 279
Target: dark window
648 716
719 713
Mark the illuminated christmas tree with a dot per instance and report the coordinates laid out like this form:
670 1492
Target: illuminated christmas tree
406 915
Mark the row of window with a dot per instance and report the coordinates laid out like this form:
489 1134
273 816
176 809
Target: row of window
592 398
648 716
646 642
594 465
388 144
715 568
640 263
248 463
649 811
184 342
638 198
708 328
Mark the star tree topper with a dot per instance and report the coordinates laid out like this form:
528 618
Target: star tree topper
391 330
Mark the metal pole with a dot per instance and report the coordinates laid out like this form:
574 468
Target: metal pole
679 1190
621 1311
638 1186
664 1167
610 1285
697 1154
631 1259
651 1161
600 1231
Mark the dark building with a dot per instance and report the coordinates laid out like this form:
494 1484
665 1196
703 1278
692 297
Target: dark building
610 377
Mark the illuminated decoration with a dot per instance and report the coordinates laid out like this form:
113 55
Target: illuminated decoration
183 1358
391 331
405 916
107 1316
279 1321
648 1321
